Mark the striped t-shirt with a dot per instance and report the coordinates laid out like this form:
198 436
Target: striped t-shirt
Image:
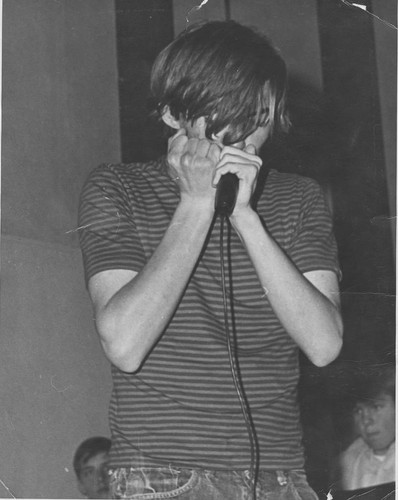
181 408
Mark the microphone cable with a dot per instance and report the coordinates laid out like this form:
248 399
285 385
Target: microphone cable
233 355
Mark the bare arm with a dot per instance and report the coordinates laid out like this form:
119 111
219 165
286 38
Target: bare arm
308 306
133 309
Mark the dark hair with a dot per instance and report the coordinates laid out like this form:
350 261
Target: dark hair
227 73
88 449
381 381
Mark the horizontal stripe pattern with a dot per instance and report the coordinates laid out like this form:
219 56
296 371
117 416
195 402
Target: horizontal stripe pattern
182 408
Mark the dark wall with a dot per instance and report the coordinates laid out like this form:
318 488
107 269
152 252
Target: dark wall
357 174
143 28
358 178
385 35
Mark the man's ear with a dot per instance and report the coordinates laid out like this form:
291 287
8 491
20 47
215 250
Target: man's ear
169 119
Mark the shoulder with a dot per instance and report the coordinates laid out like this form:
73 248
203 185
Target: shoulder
121 179
355 449
292 196
351 463
126 171
292 184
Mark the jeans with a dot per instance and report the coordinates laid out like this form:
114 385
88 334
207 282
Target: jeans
186 484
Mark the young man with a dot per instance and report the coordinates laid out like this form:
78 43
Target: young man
91 467
153 275
370 459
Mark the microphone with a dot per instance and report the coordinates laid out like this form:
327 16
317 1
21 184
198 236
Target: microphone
226 193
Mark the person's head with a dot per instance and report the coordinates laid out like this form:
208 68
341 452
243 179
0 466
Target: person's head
223 81
91 467
374 412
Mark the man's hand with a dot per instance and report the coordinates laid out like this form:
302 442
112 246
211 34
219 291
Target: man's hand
192 163
246 165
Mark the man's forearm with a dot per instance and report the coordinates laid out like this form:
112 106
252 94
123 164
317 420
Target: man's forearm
310 316
135 317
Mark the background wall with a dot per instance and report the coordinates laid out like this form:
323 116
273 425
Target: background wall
143 29
290 24
60 119
386 57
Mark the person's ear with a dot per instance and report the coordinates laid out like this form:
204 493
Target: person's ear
169 119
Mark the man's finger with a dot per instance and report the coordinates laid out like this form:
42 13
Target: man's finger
192 146
178 141
214 153
241 153
250 149
203 147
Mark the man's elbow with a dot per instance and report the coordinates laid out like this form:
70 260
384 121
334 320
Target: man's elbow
122 359
327 355
116 348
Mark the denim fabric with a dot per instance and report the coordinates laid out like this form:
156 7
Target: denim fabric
185 484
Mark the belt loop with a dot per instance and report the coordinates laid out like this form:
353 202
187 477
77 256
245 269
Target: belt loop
281 477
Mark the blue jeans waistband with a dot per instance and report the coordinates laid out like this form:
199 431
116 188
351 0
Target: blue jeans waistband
160 483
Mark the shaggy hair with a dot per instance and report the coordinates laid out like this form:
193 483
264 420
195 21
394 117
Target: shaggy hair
225 72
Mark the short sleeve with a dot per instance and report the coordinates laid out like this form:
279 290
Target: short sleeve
107 231
313 246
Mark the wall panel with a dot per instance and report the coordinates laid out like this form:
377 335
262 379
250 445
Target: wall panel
60 119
